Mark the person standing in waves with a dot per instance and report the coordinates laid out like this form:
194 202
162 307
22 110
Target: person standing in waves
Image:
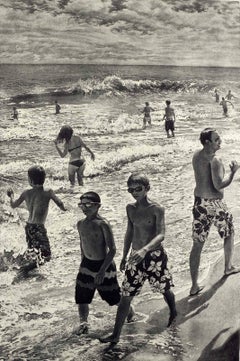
73 145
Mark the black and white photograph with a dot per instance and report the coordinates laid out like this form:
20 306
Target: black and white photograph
120 180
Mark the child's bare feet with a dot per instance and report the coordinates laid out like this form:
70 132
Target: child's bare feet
82 329
109 339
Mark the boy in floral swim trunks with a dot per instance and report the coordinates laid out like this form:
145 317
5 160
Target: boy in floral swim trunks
37 200
148 259
209 207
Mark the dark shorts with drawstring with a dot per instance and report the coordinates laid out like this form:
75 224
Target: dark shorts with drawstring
109 289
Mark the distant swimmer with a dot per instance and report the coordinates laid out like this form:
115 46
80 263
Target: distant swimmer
223 103
216 95
147 115
169 118
73 145
229 95
57 107
37 200
15 113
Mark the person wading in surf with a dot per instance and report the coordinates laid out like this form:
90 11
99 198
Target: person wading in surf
209 207
73 145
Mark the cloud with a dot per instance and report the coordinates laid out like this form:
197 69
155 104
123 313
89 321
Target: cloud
153 31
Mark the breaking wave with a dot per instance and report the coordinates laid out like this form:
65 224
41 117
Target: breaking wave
114 86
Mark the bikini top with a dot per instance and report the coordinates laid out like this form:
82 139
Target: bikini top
70 150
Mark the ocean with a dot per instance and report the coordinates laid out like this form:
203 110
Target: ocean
103 104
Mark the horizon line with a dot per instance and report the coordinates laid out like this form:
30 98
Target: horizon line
105 64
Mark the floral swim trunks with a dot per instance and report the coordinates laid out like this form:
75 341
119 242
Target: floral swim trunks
152 268
207 212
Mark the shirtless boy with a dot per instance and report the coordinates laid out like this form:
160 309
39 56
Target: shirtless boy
169 118
147 115
37 201
209 207
97 269
148 259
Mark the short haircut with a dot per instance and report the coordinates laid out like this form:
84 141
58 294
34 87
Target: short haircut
168 102
138 178
66 133
206 134
37 174
146 103
92 196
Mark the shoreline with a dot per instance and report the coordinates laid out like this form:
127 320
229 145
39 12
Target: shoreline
201 331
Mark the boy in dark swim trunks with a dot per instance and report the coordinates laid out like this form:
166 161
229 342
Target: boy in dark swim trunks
169 118
37 200
97 269
148 259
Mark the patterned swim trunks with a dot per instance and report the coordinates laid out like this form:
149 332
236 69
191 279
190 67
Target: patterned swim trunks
152 268
207 212
38 245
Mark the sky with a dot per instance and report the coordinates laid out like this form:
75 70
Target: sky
157 32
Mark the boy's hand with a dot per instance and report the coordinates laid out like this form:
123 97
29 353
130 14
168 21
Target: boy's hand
137 256
10 192
123 265
99 277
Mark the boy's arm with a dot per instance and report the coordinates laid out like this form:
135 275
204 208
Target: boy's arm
127 242
156 241
17 202
78 228
174 116
108 236
88 149
56 200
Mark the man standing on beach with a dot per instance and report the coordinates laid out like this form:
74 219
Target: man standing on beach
209 207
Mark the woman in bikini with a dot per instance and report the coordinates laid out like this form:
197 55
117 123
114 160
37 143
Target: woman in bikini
73 144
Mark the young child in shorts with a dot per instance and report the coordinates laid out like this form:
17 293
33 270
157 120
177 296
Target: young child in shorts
148 259
97 269
37 201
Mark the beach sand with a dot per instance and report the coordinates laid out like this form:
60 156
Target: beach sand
207 327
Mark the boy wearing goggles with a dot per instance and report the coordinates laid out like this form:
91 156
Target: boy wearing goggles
97 269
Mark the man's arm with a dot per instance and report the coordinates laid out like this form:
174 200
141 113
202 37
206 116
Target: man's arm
56 200
217 173
108 236
17 202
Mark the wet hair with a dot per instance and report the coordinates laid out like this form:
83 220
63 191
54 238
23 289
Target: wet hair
168 102
138 178
206 134
37 175
66 133
92 196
